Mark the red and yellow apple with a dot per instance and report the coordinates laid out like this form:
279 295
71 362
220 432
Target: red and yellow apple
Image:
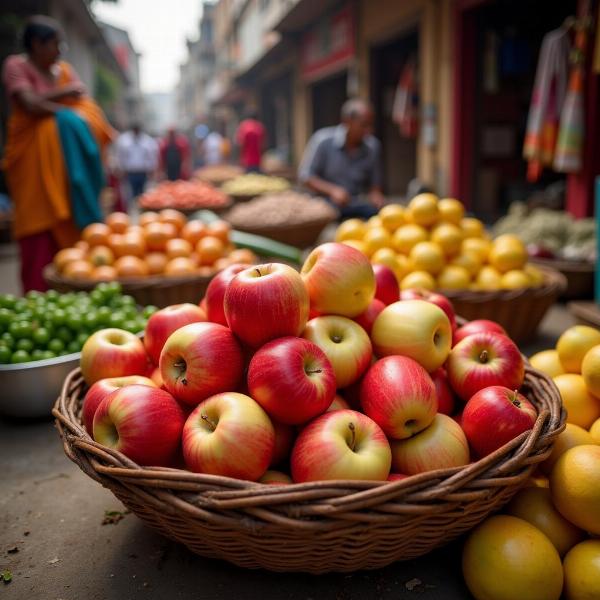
477 326
367 318
445 395
433 297
272 477
386 285
215 293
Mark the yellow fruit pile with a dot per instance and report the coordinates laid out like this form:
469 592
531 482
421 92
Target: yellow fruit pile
431 244
552 518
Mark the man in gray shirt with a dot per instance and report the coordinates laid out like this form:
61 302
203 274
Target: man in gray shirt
343 163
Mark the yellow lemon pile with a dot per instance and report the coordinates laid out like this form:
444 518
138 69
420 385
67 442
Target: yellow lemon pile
431 244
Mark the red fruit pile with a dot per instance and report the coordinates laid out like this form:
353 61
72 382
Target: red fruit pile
184 195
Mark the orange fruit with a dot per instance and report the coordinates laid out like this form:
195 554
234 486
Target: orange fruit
81 245
243 255
392 216
574 344
131 244
453 277
96 234
582 571
507 254
118 222
172 216
178 247
451 210
418 279
547 362
78 269
193 231
471 227
131 266
206 271
536 276
469 260
515 279
571 436
220 229
427 256
376 238
101 255
357 244
221 263
582 408
156 236
209 248
156 261
534 505
104 273
449 238
148 217
407 236
506 557
575 486
488 278
67 255
595 431
351 229
181 265
480 246
423 210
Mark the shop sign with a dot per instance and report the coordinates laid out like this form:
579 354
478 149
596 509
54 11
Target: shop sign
329 45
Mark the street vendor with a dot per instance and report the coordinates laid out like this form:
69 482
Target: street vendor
343 163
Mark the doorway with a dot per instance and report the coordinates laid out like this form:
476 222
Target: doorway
327 97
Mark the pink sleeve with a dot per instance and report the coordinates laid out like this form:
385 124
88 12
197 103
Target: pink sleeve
14 75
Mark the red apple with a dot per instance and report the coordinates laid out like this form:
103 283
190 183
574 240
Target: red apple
442 445
396 476
157 377
112 353
215 293
345 343
386 285
264 302
142 422
338 404
433 297
414 328
494 416
199 360
228 434
367 318
339 279
164 322
343 444
484 359
103 388
275 478
399 395
284 440
202 304
477 326
444 392
292 379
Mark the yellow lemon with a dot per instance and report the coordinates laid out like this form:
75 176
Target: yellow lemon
451 210
358 244
376 238
352 229
506 557
515 279
448 237
488 278
575 487
535 275
375 221
392 216
590 370
407 236
469 260
480 246
595 431
472 228
574 344
547 362
397 262
508 238
538 481
508 255
427 256
453 277
582 571
383 255
582 408
419 280
571 436
423 209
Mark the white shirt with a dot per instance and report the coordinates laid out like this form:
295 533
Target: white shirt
213 148
137 154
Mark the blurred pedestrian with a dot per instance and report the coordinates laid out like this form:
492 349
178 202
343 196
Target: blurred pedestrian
213 147
343 163
137 158
175 156
52 156
250 137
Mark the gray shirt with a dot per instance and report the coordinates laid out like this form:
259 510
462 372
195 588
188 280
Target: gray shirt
357 171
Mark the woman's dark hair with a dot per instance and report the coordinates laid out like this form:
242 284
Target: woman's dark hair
40 27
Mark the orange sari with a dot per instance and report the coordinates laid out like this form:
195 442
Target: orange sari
35 169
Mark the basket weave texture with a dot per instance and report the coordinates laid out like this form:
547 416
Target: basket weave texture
579 276
519 311
160 291
314 527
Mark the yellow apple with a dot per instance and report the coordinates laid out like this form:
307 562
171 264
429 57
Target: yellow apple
427 256
408 236
451 210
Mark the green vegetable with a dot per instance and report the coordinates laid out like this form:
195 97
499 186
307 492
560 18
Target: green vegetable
266 247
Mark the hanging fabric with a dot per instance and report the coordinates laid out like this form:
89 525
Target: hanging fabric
547 99
406 100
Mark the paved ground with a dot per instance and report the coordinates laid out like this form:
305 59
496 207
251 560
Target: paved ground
53 541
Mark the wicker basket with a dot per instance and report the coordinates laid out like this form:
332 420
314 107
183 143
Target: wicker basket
315 527
579 276
585 313
518 311
160 290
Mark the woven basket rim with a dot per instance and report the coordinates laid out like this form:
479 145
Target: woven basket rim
563 265
323 221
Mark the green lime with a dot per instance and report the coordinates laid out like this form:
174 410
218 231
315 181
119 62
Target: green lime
73 346
127 300
20 356
75 321
37 354
82 338
56 346
116 319
64 334
97 297
130 325
6 316
20 305
7 339
20 329
34 294
59 317
5 354
103 314
7 300
48 354
90 319
149 310
65 300
25 344
41 336
52 295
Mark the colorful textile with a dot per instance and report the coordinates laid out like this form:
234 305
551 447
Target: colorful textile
406 101
37 251
251 137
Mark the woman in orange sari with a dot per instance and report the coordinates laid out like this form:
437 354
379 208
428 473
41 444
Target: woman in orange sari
39 86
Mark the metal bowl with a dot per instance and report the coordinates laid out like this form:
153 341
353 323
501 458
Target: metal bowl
29 390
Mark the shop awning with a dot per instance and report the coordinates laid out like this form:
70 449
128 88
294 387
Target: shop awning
303 14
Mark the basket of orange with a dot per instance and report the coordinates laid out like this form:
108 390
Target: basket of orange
431 244
164 259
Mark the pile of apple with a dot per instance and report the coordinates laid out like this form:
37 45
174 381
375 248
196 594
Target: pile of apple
325 374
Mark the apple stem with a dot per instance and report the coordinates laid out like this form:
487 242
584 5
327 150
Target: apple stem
258 271
515 400
353 431
210 423
313 371
182 367
483 357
